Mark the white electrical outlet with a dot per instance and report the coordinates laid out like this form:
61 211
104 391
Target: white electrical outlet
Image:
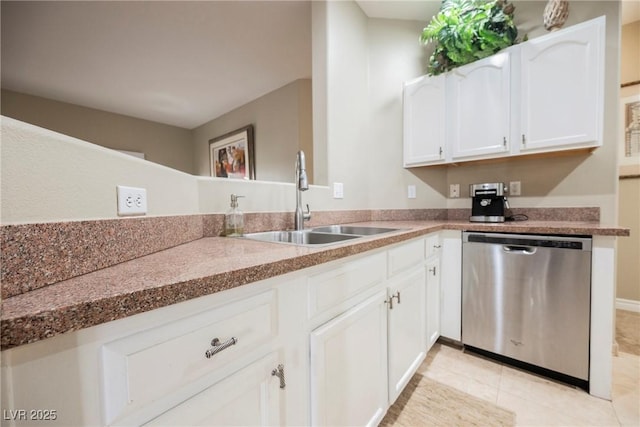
131 201
411 191
338 190
454 191
515 188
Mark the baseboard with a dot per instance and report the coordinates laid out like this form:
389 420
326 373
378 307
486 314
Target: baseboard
628 305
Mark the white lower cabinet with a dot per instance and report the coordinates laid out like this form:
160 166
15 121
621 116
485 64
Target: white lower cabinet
451 285
362 359
407 347
349 366
433 302
349 335
249 397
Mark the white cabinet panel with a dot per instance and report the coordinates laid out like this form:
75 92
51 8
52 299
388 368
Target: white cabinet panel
406 256
562 87
479 94
433 244
329 289
407 347
433 302
451 285
249 397
424 121
152 364
349 366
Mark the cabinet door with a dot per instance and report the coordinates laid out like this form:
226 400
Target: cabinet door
349 366
479 95
424 121
251 396
407 347
433 301
562 87
451 285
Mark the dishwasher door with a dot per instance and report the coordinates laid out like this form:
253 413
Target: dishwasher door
527 297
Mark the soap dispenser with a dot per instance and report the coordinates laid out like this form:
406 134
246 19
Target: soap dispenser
234 219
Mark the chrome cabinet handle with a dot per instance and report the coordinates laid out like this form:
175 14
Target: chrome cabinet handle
433 270
279 372
524 140
437 246
216 347
390 302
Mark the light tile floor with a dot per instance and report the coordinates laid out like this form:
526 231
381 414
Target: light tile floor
536 400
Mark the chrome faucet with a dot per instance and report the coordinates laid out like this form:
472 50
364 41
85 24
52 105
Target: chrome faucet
302 184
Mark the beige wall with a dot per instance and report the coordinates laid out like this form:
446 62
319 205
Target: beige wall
568 180
628 285
163 144
629 48
282 125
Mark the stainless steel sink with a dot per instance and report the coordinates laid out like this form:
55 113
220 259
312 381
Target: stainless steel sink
352 229
301 237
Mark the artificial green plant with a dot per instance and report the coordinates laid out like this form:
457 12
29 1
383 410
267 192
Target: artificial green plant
468 30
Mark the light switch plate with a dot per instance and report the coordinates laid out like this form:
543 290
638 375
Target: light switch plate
411 191
338 190
131 201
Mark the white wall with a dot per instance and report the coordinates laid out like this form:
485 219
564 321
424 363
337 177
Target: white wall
395 56
47 176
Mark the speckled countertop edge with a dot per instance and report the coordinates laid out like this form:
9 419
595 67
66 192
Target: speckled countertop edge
206 266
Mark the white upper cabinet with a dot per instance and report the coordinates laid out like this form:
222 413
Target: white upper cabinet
479 95
562 88
542 95
424 121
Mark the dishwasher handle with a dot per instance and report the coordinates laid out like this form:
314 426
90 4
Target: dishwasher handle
516 249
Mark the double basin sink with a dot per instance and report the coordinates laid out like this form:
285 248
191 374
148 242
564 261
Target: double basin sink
320 235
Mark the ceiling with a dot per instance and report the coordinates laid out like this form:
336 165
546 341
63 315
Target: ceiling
180 63
177 62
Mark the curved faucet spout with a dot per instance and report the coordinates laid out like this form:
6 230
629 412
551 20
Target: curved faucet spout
302 184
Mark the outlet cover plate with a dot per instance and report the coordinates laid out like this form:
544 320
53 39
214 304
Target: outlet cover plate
454 191
515 189
131 201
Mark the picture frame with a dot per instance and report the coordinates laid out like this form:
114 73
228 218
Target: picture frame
629 153
231 155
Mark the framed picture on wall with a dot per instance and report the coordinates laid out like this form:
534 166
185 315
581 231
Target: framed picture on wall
630 116
231 155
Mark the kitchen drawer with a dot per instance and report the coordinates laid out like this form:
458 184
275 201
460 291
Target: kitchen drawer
406 256
330 289
432 244
154 363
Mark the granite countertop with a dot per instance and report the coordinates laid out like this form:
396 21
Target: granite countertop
206 266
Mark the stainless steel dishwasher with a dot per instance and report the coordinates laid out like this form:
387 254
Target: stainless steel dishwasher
527 298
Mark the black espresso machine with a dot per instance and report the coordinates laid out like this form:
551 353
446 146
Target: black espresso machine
489 202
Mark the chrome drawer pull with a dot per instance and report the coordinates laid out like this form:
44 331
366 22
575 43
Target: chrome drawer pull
216 347
279 372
